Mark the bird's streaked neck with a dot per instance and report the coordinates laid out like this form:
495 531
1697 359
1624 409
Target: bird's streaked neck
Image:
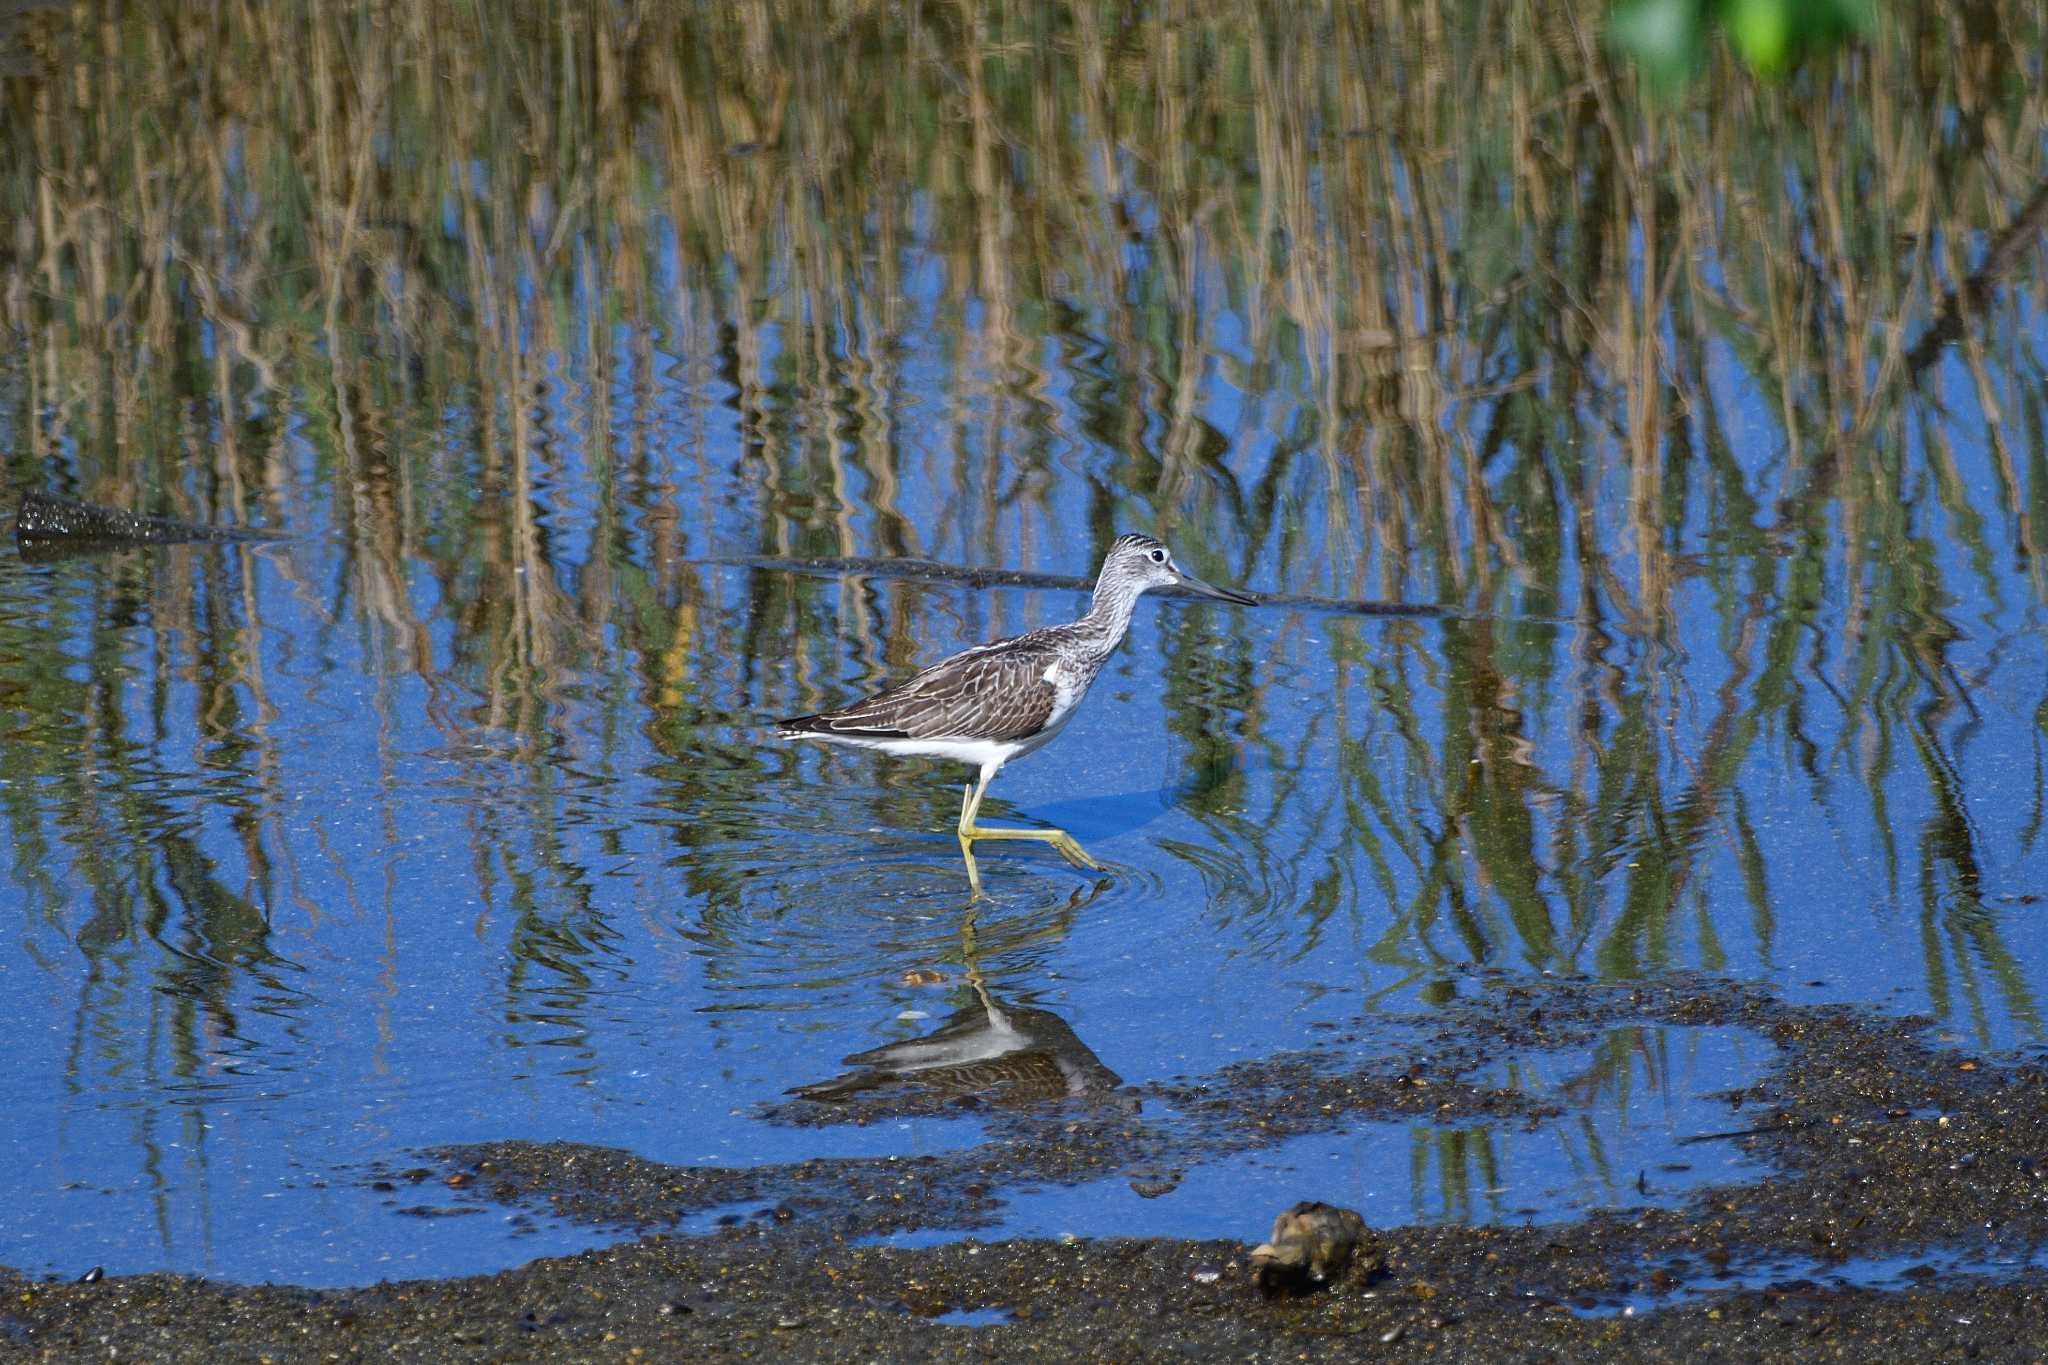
1109 616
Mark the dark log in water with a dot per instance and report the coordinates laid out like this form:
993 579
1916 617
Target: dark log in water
48 527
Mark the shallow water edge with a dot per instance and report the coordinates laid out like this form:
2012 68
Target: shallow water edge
1883 1147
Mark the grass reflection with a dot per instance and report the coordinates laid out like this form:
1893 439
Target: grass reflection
1714 425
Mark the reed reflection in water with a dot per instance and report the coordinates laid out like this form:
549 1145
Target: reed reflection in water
560 339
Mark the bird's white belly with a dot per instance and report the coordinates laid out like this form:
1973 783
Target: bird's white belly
980 752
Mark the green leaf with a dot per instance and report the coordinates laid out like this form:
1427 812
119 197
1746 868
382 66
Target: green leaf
1762 32
1663 36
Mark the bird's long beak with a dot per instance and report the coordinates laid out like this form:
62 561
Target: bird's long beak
1196 585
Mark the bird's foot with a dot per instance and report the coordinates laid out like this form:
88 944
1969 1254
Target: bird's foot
1062 842
1071 850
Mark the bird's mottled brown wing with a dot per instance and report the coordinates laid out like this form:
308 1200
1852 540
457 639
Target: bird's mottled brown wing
998 693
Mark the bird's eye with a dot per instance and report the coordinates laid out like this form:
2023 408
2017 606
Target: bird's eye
1159 556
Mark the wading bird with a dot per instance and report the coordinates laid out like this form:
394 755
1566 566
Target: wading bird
995 702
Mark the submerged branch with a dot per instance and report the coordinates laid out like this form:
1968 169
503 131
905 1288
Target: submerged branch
2008 249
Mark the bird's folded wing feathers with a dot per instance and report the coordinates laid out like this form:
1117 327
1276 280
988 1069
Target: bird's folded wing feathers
997 694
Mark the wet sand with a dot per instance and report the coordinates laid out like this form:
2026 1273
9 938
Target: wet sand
1882 1145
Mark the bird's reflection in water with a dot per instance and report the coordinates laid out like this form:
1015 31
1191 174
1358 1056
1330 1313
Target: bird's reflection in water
1005 1054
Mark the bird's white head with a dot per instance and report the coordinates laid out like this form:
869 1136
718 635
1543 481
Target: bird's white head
1135 564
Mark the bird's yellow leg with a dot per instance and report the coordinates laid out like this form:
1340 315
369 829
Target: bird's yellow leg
1062 842
973 871
967 808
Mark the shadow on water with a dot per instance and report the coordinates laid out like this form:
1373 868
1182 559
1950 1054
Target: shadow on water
1645 502
1112 815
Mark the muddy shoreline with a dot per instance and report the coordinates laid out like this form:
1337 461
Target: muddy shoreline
1890 1157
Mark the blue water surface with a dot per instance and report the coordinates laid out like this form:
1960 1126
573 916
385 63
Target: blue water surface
457 815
